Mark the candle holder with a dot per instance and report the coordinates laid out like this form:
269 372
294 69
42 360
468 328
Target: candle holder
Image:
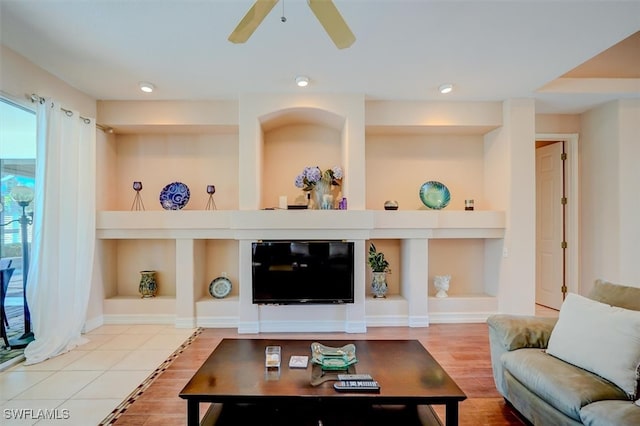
211 204
137 200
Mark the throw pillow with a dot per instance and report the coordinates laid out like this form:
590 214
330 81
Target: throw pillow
616 295
599 338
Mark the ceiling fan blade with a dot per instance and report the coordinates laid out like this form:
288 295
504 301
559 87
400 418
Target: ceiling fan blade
333 23
251 20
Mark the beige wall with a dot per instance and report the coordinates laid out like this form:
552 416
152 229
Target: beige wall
557 123
287 150
398 165
609 179
20 78
159 159
510 186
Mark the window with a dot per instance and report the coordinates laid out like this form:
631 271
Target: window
17 168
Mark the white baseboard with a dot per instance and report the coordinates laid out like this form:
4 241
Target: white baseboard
139 319
92 324
387 321
459 317
185 322
217 322
419 321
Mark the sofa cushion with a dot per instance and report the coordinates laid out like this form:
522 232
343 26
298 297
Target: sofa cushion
611 413
560 384
616 295
600 338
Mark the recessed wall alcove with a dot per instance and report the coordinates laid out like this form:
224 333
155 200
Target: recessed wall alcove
295 138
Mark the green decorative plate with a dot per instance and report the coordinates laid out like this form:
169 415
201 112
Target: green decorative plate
435 195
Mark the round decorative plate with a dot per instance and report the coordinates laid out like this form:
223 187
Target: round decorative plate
435 195
174 196
220 287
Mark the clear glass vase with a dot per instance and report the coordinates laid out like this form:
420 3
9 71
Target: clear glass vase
322 195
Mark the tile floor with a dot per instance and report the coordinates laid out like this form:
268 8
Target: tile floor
83 386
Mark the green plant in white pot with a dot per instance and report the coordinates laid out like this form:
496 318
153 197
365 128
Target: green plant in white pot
380 267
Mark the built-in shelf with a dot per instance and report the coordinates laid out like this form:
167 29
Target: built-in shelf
199 245
251 151
224 224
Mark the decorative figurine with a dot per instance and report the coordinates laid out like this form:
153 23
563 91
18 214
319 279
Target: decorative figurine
441 283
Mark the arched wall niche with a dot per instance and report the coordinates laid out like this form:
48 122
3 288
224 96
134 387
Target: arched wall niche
301 115
294 138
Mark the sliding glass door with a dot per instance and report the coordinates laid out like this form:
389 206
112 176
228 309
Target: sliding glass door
17 181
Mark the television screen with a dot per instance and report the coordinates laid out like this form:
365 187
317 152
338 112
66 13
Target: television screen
287 272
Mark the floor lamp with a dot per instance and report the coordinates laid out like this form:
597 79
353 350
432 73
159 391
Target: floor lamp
23 196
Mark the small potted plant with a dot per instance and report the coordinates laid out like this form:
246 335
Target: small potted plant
379 266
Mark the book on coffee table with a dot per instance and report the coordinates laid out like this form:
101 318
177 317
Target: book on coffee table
298 361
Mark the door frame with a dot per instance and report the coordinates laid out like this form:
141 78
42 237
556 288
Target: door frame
572 225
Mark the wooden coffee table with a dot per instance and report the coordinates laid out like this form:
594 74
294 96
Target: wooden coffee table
235 374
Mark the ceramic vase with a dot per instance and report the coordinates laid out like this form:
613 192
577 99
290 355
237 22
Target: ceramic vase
148 286
379 284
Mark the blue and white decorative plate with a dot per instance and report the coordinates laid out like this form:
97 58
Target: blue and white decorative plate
220 287
174 196
435 195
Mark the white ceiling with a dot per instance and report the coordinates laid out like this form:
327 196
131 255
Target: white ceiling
404 49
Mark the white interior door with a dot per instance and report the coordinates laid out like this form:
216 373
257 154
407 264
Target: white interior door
549 225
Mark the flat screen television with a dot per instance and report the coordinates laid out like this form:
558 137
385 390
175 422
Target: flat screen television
297 272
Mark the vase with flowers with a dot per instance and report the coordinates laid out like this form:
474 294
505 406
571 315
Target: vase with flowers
320 184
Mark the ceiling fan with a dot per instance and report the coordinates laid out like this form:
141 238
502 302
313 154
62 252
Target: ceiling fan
325 11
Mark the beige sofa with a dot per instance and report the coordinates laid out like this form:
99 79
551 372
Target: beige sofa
546 389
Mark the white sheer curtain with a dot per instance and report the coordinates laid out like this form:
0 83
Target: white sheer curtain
63 231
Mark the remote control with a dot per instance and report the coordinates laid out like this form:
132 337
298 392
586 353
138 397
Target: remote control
344 377
357 386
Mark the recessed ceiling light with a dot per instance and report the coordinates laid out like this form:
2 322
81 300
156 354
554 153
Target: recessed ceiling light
146 86
446 88
302 81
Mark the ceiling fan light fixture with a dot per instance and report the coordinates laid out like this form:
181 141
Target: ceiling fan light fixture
302 81
445 88
146 86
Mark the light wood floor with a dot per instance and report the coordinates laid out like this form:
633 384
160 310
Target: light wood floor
462 349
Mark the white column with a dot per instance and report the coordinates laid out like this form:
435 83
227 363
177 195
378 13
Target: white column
356 322
415 280
185 278
248 313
